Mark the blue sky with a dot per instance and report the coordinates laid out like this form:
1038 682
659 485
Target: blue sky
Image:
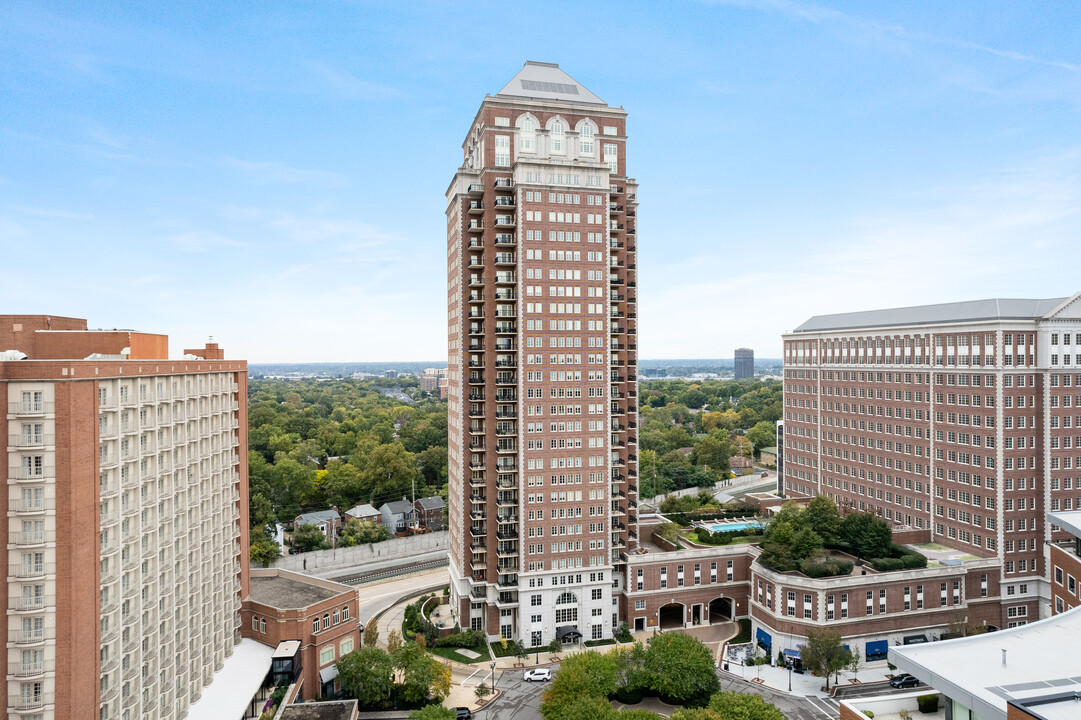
273 173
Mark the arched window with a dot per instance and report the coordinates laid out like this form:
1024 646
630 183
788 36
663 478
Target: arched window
567 598
585 139
527 128
556 130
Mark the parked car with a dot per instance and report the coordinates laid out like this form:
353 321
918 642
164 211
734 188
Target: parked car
538 675
904 681
463 713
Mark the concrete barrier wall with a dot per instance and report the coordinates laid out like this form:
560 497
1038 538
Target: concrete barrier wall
395 548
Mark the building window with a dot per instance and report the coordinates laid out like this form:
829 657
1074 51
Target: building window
345 613
346 646
639 604
255 621
315 625
326 620
262 626
326 655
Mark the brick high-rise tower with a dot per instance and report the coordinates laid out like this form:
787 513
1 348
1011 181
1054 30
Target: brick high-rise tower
543 362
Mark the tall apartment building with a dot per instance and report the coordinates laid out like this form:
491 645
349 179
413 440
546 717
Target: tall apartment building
126 520
963 419
744 363
542 387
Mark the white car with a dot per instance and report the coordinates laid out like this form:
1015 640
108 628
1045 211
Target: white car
538 675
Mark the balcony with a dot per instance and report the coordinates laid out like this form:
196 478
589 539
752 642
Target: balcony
31 637
478 531
32 571
32 440
23 703
507 500
31 538
31 669
506 519
31 474
505 278
506 328
504 240
503 184
504 378
33 506
476 330
505 259
476 207
476 298
504 221
504 201
32 604
475 226
30 408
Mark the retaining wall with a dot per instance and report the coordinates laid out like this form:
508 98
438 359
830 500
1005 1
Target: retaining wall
340 558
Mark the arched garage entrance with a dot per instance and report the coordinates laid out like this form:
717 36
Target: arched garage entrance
672 615
720 610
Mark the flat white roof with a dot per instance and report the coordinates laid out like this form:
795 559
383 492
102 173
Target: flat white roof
229 693
286 649
1068 521
1041 659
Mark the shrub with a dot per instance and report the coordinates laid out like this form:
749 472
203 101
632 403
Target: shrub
470 639
927 703
886 564
829 567
869 714
628 696
623 633
914 561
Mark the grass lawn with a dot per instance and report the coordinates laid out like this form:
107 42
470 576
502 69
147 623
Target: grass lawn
692 536
452 654
932 546
744 632
597 643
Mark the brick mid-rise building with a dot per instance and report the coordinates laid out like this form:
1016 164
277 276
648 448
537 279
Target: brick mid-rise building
126 520
962 419
542 379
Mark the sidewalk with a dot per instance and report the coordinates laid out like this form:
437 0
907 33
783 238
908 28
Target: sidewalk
777 678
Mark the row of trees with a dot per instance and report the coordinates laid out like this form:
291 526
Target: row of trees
670 423
404 673
314 444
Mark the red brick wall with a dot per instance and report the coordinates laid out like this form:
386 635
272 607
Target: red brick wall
17 332
78 619
1070 566
78 345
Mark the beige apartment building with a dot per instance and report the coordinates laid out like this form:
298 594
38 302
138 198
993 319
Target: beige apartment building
126 520
961 419
542 345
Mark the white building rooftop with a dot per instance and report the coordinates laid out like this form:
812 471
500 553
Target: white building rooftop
229 694
546 81
985 672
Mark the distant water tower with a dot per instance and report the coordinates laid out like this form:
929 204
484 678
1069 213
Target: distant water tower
744 363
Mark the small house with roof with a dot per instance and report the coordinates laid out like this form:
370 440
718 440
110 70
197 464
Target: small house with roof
398 515
365 513
430 512
329 521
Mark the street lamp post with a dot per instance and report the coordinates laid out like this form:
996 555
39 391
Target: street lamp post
491 665
789 678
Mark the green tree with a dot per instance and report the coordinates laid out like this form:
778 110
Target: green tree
371 634
763 435
263 550
367 674
870 536
388 472
681 668
433 712
432 463
292 483
713 451
824 653
579 708
805 542
420 672
308 538
342 484
631 673
821 516
581 676
362 532
742 706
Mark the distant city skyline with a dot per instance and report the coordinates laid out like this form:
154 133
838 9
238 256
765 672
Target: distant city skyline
274 175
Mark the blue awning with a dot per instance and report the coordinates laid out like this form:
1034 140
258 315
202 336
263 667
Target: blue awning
791 653
763 637
878 647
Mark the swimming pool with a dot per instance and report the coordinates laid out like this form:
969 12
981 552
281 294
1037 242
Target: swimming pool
729 527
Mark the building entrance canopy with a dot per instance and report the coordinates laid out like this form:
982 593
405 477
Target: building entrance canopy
568 634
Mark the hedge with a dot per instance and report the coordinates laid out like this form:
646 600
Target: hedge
829 567
927 703
470 639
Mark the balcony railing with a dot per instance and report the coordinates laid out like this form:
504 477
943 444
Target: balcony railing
30 408
31 669
21 703
29 441
31 571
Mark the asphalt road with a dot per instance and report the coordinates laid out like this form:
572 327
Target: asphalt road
520 700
